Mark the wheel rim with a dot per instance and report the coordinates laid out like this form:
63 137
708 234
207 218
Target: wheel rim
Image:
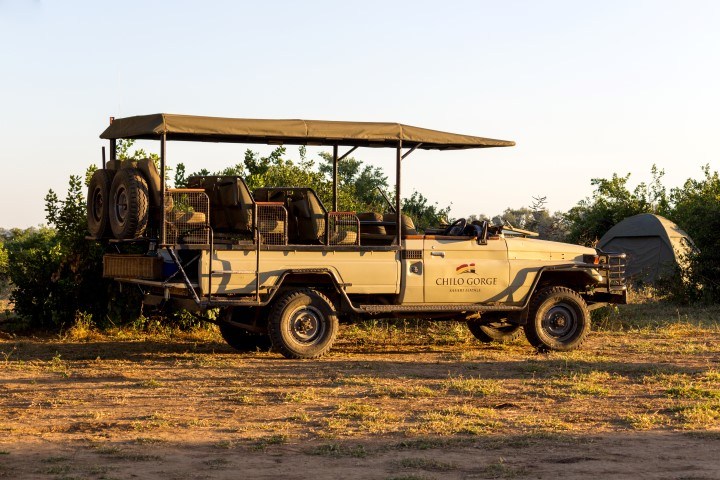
121 204
560 322
97 204
306 324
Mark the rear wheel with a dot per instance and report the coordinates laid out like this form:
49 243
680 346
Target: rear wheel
129 204
303 324
491 327
558 320
98 200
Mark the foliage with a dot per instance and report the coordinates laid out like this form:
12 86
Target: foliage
4 269
536 218
611 202
424 214
696 207
56 273
123 152
359 185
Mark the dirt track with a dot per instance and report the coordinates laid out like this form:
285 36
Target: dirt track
623 407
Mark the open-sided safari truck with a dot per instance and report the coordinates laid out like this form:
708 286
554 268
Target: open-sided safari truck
284 269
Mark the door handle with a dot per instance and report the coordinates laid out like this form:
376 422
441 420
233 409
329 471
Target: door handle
438 254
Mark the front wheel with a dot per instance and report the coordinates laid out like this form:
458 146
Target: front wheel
558 320
303 324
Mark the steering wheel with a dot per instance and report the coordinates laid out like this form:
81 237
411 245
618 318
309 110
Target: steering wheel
455 228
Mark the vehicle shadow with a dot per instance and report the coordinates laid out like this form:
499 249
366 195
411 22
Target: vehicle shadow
423 362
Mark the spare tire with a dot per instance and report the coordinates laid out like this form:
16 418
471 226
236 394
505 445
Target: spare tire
129 204
98 201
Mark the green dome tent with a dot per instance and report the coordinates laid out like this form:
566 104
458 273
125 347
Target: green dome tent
654 246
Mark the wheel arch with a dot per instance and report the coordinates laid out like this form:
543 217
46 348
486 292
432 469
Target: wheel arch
577 279
322 279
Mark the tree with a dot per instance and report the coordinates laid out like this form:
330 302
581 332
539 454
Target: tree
425 214
54 271
612 202
357 183
696 207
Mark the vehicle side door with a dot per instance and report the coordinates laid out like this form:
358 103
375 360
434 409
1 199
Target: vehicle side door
460 270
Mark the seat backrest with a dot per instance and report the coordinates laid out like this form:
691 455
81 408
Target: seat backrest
230 202
408 226
317 214
310 216
371 229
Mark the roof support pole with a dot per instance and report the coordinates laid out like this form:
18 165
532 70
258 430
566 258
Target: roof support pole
399 157
335 175
344 156
336 161
163 141
415 147
398 208
113 146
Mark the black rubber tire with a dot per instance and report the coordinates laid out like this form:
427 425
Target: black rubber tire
243 340
303 324
558 320
490 328
98 202
129 204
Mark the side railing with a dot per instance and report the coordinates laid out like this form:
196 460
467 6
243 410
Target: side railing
271 223
187 217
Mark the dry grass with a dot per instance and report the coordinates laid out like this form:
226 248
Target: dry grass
416 385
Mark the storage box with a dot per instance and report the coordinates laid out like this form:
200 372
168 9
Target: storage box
132 266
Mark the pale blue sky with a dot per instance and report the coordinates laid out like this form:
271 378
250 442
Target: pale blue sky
584 88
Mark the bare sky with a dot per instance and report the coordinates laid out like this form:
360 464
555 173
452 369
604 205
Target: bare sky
584 88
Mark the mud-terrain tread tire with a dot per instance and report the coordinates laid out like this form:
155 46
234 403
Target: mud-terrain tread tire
489 334
280 324
243 340
566 301
129 204
98 202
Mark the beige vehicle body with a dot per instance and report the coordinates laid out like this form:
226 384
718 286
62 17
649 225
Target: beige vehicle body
279 264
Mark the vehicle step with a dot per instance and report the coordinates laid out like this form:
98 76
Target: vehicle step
225 301
466 307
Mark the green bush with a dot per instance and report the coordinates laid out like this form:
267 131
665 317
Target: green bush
55 272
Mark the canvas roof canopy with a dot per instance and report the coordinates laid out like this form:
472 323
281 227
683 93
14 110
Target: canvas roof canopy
293 132
654 246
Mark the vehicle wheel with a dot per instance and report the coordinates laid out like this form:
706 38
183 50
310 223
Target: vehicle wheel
243 340
558 320
128 211
98 200
491 328
303 324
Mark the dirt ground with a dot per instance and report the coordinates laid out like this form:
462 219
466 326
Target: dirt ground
382 405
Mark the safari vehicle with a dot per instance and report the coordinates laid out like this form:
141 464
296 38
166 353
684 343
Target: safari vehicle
283 269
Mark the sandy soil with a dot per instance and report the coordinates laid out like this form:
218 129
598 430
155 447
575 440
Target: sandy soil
115 409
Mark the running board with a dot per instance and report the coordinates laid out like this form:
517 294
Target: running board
464 307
